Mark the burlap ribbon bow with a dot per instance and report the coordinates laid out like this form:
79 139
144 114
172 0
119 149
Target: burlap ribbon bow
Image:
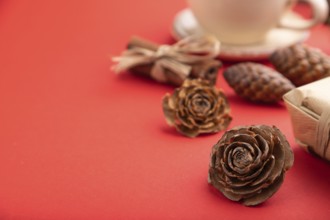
177 58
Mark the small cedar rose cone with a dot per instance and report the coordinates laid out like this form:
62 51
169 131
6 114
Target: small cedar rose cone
196 108
301 64
248 164
257 83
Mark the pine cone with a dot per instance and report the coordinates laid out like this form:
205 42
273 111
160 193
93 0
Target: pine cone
197 107
301 64
256 82
248 164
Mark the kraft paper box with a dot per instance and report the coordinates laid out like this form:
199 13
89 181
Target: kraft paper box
309 108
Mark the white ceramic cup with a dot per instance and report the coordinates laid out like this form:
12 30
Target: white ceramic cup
248 21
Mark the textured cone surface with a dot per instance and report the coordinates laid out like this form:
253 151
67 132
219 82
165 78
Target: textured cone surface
248 163
256 82
301 64
196 108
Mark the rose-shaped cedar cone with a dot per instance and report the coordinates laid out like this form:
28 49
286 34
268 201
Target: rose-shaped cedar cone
248 164
197 107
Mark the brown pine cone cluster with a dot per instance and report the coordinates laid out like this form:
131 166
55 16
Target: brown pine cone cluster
197 107
301 64
257 83
248 164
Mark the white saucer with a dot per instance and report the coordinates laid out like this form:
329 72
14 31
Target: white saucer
185 24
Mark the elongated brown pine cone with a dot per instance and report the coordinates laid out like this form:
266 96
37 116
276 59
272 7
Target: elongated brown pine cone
248 164
301 64
197 107
257 83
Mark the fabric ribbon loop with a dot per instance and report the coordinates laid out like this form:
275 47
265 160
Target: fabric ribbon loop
162 51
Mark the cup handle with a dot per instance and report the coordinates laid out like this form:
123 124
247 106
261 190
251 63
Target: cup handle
320 10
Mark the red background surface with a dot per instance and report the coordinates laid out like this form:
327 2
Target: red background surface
79 142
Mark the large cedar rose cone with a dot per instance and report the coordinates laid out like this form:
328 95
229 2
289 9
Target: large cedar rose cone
248 164
197 107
